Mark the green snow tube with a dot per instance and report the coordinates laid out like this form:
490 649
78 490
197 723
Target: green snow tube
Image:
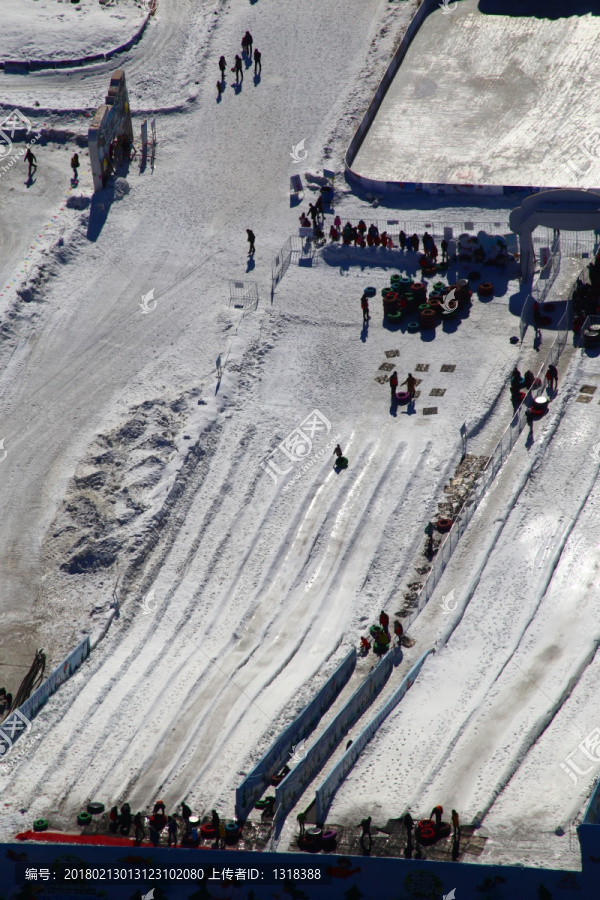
84 818
40 825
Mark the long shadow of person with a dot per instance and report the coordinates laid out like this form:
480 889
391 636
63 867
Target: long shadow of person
257 79
238 87
364 334
30 181
394 407
455 848
251 264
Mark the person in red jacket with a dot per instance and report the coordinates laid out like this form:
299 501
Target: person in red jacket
394 383
398 631
364 305
384 621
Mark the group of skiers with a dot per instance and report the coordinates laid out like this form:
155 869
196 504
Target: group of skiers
238 67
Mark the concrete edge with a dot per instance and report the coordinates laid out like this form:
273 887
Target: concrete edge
375 186
23 67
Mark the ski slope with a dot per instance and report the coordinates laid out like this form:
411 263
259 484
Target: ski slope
491 717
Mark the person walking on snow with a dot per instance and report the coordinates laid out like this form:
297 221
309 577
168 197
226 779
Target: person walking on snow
552 377
429 533
398 631
247 44
75 166
30 158
411 384
222 67
364 305
257 61
215 822
444 246
301 819
384 621
172 829
251 239
366 831
237 68
455 824
394 384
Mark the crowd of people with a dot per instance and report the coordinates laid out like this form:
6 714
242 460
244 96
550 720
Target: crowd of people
238 64
361 235
381 635
185 827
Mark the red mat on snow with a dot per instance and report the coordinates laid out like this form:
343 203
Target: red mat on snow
56 837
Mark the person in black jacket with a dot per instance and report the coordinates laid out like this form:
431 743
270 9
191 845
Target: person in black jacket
257 61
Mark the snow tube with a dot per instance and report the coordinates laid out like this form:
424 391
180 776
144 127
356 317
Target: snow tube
591 338
429 270
462 283
40 825
413 327
232 832
374 630
418 289
313 835
402 396
423 306
436 296
428 318
485 289
426 832
539 406
95 809
514 339
439 286
84 818
443 524
444 830
260 804
207 830
276 779
370 291
341 462
329 837
394 318
409 298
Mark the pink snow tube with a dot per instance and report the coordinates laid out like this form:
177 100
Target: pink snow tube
402 396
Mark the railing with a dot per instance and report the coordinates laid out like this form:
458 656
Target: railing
541 288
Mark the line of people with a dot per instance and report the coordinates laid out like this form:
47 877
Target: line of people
123 821
238 65
362 236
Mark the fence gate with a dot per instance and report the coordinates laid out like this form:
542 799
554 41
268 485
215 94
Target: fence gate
243 294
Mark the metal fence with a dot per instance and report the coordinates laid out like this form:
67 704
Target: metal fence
243 294
281 263
485 479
